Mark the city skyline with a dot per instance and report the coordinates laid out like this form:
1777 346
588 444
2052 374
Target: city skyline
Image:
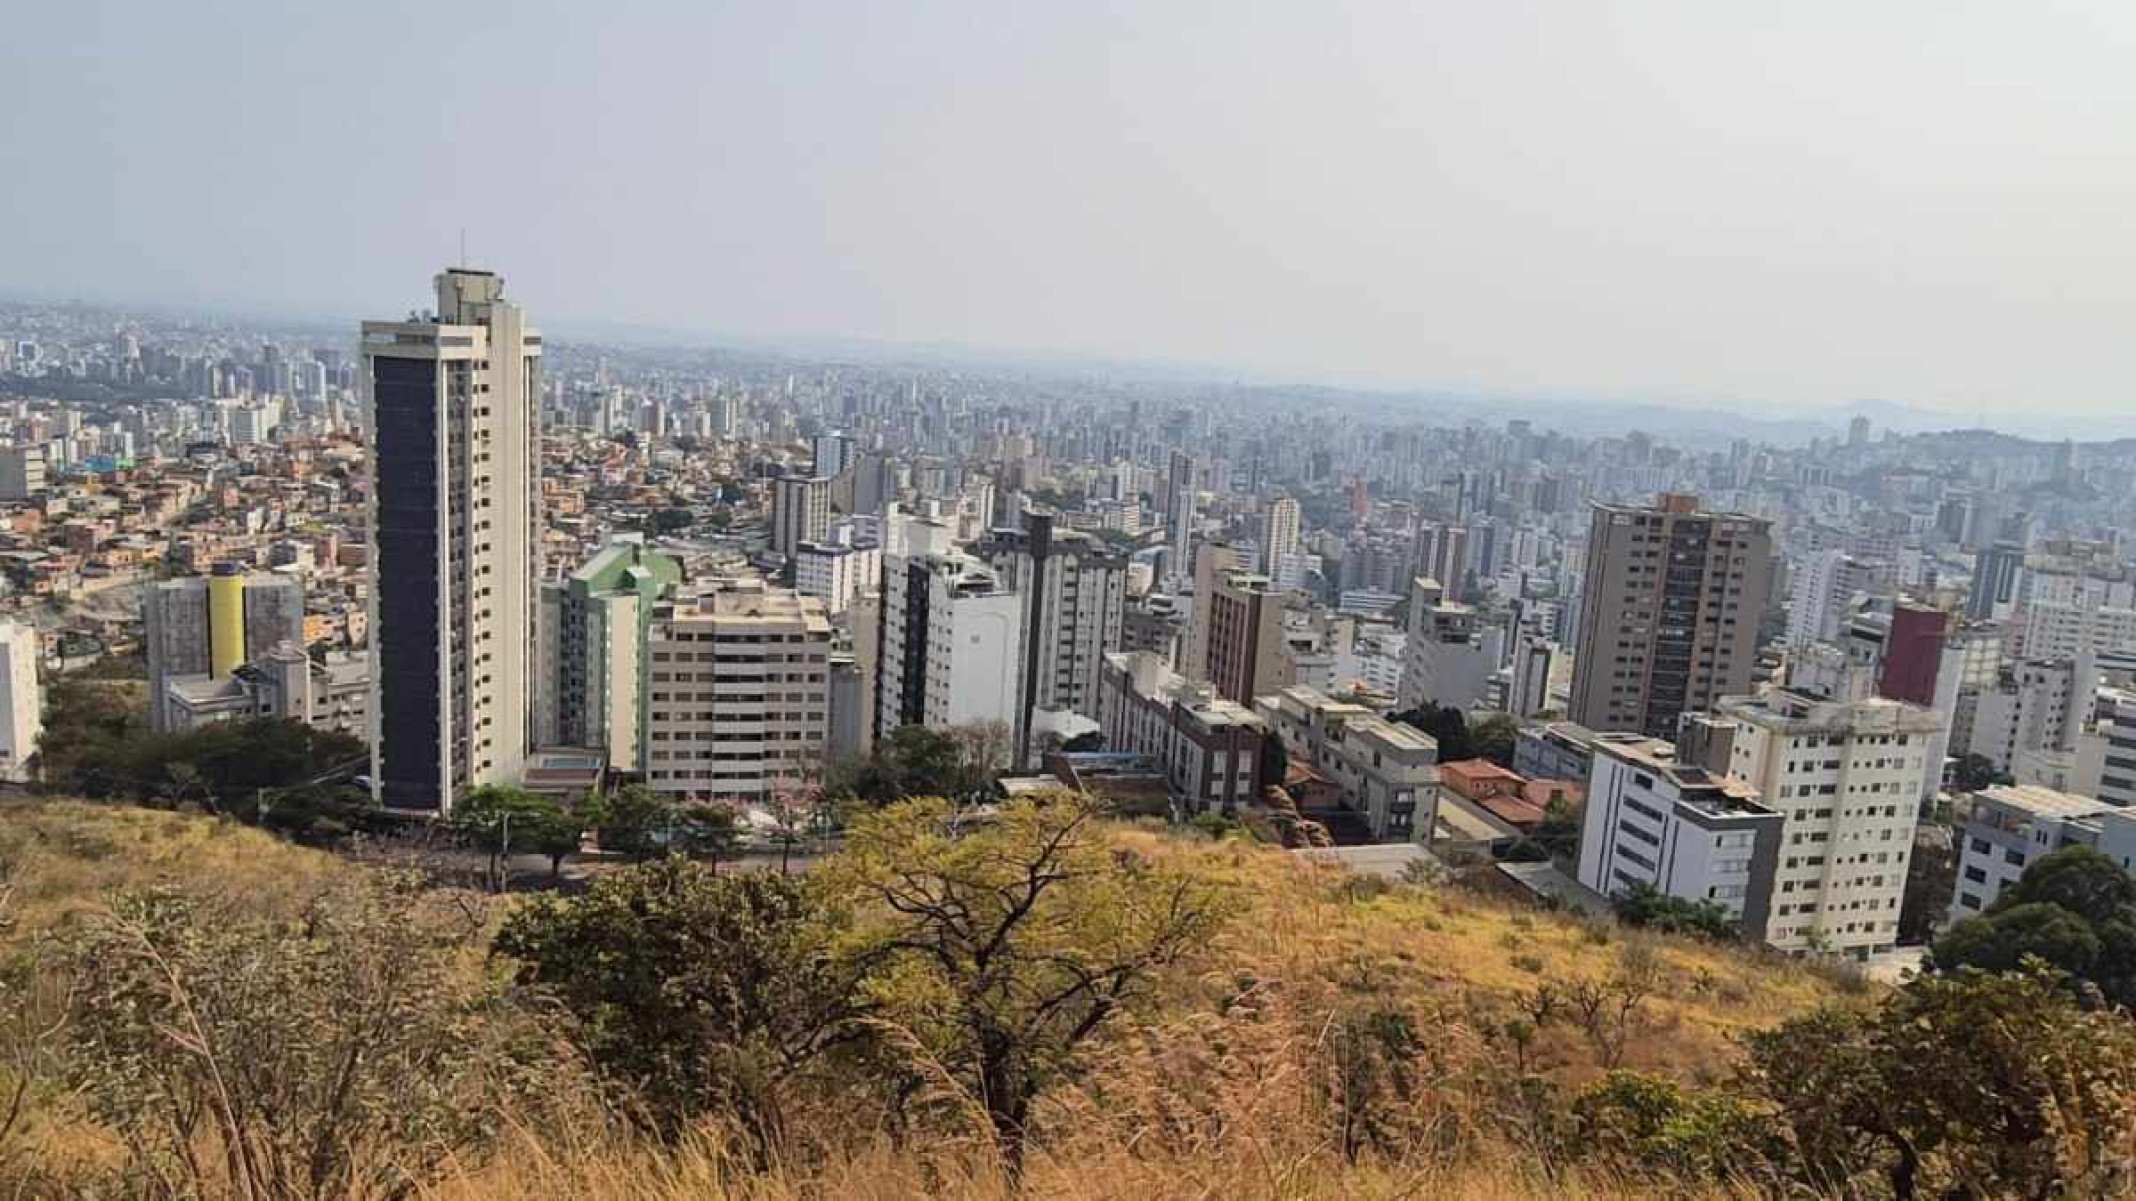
1721 208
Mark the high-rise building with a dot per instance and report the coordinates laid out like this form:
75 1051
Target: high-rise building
831 455
1246 655
456 523
739 700
1179 515
1846 779
1442 554
1450 654
1669 611
1528 679
837 572
800 511
21 699
22 472
1825 589
1208 747
211 625
1995 572
1074 593
951 649
1279 534
590 681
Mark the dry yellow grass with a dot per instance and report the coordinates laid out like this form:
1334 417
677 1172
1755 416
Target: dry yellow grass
1222 1091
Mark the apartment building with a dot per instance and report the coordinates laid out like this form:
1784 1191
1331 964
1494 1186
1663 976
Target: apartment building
2009 827
1669 609
951 646
1208 748
739 692
590 674
1679 828
1846 778
1387 771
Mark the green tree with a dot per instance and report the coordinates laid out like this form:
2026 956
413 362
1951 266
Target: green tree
1004 944
635 821
1931 878
505 821
1493 738
914 761
1559 831
1975 772
1970 1084
710 830
704 993
1649 1124
1446 725
1643 904
2074 909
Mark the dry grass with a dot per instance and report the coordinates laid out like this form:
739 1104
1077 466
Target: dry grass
1228 1088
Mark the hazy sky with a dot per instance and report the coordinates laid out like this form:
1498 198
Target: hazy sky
1790 202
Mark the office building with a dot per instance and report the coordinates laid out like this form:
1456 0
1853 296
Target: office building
1208 748
591 679
951 644
21 699
739 692
800 511
1669 611
456 523
1846 779
1678 828
209 626
2009 827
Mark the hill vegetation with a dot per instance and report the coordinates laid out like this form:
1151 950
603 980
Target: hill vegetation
1034 1003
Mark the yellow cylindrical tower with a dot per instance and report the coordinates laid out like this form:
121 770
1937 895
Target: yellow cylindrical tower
226 620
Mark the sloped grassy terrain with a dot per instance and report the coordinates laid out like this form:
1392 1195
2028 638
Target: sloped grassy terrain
1341 1038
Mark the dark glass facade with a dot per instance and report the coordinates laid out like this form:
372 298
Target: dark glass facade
407 634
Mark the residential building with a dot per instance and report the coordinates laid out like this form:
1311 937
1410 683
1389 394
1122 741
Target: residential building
800 511
21 699
1678 828
1846 779
738 704
1209 748
1245 647
835 573
1387 771
2009 827
590 681
22 472
208 626
1557 750
1280 527
1450 653
330 693
951 648
1074 594
1669 613
455 523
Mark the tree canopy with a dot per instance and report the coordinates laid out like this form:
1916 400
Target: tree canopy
2074 909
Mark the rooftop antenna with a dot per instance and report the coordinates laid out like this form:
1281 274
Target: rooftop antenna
463 248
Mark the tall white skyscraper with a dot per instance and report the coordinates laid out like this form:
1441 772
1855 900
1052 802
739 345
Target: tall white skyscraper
456 520
1179 516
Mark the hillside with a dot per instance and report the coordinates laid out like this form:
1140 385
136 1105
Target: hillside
1339 1037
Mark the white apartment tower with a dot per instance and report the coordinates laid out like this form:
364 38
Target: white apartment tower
1279 534
951 643
1845 777
1074 594
21 699
455 526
